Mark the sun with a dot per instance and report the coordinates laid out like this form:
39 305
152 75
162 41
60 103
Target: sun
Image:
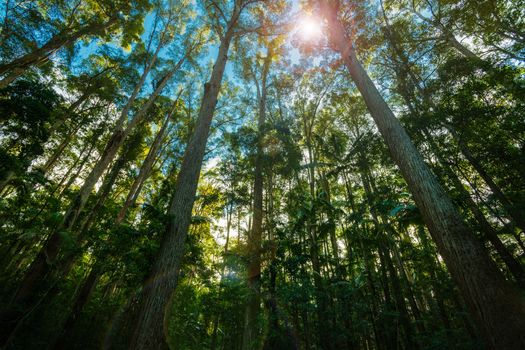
309 28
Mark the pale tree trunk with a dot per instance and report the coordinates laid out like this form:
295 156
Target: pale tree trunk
438 300
145 170
275 312
90 89
19 66
380 335
82 159
71 109
216 319
52 246
515 215
392 334
151 325
56 154
51 161
71 177
451 39
104 191
340 274
340 271
250 339
497 308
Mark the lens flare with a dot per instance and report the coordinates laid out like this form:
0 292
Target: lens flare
309 28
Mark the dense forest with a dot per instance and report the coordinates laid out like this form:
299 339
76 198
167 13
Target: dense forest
262 174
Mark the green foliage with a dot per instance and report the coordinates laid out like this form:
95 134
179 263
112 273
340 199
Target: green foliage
346 260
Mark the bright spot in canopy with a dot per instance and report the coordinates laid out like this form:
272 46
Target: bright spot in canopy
309 28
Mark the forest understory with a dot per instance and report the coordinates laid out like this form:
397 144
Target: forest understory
262 174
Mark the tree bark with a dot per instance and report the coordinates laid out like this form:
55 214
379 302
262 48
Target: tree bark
145 170
497 308
451 39
117 139
150 328
80 301
47 255
105 189
19 66
485 227
404 70
384 250
448 36
250 339
515 215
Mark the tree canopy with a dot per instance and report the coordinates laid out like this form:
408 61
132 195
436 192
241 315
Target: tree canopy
262 174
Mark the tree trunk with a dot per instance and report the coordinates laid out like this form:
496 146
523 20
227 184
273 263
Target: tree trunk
391 330
452 41
250 339
47 255
384 250
105 190
320 290
115 142
515 215
322 311
497 308
438 298
485 227
145 170
513 265
50 163
79 169
150 328
19 66
448 36
80 301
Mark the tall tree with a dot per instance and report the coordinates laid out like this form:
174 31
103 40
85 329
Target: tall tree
48 254
251 324
164 275
77 22
281 205
494 304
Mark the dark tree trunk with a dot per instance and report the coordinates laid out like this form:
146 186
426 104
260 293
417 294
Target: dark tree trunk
391 330
485 227
407 93
150 328
384 248
19 66
80 301
510 208
49 252
251 326
46 258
